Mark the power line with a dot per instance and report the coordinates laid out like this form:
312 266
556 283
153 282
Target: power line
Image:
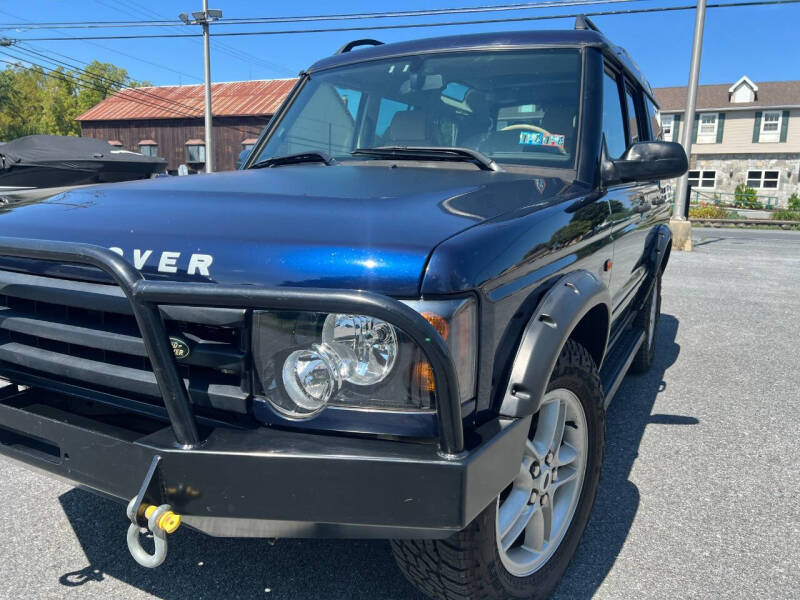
135 95
136 9
105 81
66 78
426 25
120 52
333 17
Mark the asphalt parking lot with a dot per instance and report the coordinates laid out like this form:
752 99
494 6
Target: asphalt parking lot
698 497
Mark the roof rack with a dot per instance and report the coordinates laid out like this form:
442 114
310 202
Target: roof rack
356 43
584 22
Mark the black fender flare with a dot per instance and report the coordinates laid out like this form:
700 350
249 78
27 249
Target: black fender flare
551 325
661 246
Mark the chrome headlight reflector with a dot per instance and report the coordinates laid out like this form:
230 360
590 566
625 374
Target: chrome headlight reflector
366 347
306 361
310 378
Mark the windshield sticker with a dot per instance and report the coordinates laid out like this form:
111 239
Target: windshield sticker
535 138
540 184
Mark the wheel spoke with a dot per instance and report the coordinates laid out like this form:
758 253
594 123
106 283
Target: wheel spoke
558 433
546 427
567 454
547 517
513 512
565 475
529 456
534 532
517 525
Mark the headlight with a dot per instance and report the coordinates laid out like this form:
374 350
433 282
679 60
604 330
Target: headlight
307 361
311 378
366 347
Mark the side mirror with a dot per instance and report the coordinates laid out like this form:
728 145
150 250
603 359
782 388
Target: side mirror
242 157
645 161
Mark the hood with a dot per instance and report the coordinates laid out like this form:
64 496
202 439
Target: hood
358 227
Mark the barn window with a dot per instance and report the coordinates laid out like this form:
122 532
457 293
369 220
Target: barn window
148 147
115 143
195 151
247 144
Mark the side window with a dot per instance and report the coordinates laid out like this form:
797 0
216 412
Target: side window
633 120
653 116
613 119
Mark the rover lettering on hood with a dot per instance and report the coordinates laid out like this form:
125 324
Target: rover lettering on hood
169 261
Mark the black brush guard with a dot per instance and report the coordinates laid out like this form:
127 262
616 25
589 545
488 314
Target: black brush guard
264 481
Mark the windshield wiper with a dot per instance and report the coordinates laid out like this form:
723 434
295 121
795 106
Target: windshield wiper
431 153
293 159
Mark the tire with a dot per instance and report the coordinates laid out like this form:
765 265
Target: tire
647 320
471 565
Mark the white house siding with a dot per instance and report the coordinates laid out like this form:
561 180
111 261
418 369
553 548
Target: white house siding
737 136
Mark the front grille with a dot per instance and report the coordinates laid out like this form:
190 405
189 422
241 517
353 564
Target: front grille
84 334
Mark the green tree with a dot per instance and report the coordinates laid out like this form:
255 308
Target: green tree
33 100
794 202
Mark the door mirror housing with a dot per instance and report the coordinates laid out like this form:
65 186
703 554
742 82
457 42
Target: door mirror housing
645 161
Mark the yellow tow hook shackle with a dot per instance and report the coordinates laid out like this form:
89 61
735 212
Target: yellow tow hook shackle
161 521
169 521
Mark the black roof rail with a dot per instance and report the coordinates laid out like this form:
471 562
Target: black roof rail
584 22
356 43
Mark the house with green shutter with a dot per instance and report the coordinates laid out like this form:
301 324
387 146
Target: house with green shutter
747 133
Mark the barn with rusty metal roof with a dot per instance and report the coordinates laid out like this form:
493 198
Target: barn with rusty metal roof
167 121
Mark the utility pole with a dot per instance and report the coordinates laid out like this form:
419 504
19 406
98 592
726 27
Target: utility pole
204 18
680 226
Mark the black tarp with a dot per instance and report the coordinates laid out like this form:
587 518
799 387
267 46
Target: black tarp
63 150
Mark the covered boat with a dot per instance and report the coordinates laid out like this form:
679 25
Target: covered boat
46 161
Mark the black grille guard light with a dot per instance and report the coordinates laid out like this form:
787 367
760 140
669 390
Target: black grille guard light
146 296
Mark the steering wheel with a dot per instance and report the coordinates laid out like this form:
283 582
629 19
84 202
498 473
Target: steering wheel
536 128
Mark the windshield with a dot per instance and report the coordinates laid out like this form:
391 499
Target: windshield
513 106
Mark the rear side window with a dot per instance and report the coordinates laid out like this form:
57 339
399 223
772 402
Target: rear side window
613 118
654 118
633 120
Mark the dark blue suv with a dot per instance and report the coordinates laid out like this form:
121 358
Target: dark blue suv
404 317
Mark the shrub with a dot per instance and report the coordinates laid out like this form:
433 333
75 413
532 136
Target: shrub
786 215
708 211
794 202
745 197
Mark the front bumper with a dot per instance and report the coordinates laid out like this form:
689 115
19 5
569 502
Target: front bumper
266 482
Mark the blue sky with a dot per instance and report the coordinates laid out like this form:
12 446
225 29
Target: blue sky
761 42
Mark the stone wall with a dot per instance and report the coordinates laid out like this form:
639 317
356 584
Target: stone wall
732 170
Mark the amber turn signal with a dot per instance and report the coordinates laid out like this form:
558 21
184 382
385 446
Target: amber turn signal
439 324
423 376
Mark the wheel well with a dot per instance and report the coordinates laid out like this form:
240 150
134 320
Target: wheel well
591 332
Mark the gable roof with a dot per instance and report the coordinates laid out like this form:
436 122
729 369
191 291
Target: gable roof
237 98
770 94
744 79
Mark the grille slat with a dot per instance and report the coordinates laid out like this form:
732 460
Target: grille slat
208 354
105 298
116 377
85 334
